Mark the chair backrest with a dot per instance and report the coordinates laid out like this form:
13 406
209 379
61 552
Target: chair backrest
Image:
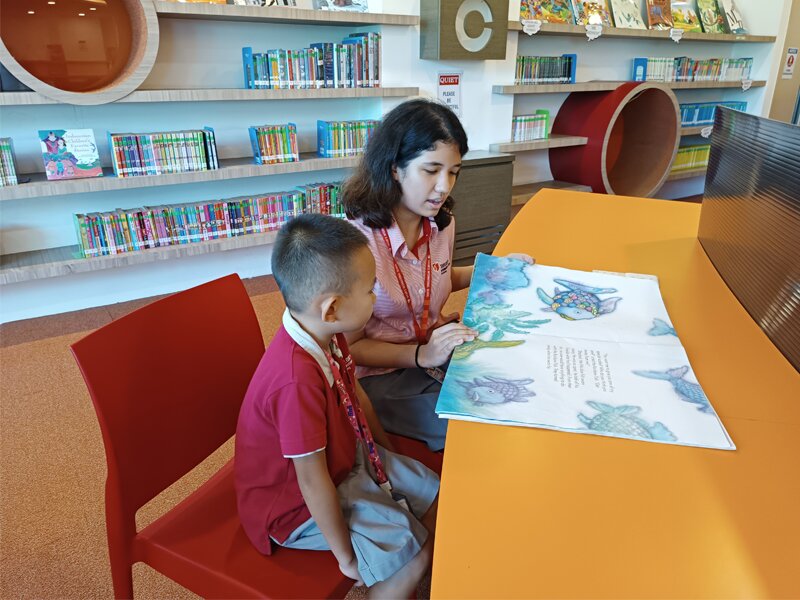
167 382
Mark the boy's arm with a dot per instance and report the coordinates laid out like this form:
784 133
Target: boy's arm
320 496
378 433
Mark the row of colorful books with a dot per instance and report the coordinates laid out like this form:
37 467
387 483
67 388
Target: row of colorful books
684 68
711 16
532 70
8 170
139 154
274 143
525 128
120 231
336 139
691 157
702 113
353 63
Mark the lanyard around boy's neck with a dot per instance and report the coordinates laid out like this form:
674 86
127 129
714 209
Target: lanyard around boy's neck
359 422
420 328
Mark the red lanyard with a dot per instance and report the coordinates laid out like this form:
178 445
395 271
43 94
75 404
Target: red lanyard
420 329
357 419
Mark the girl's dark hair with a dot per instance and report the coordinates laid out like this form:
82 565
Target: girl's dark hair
404 133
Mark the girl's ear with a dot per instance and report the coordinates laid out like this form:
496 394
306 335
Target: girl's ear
395 176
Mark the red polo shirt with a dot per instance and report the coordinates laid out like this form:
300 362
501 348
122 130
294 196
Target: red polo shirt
289 410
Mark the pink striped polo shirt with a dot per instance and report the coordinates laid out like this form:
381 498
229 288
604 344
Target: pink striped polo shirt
391 320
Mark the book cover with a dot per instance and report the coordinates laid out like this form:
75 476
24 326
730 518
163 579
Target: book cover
732 16
70 153
711 17
684 16
628 14
592 11
659 14
350 5
576 351
549 11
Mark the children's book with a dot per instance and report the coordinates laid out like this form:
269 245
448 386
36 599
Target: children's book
350 5
628 14
684 15
70 153
711 17
732 16
576 351
549 11
659 14
592 11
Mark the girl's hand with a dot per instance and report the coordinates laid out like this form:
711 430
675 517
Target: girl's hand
442 343
523 257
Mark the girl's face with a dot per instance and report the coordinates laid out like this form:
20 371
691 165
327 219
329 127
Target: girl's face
427 180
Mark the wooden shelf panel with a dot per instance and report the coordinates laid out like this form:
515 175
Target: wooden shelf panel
687 174
554 141
56 262
621 32
232 168
277 14
604 86
223 95
693 130
520 194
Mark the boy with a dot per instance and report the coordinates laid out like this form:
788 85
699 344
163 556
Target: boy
308 474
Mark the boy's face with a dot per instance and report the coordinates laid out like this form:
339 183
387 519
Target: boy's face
355 309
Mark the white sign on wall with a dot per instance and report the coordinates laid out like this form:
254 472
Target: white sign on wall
450 90
788 64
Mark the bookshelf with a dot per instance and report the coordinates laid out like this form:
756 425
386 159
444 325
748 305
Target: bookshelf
685 131
554 141
605 63
647 34
224 95
520 194
687 174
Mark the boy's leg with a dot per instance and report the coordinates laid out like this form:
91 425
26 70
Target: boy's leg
404 582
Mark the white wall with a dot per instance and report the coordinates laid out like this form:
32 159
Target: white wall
207 54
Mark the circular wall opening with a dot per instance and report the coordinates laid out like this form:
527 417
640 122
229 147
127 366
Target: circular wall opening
640 146
79 51
633 134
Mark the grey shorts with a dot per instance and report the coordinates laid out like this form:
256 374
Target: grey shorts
385 535
405 402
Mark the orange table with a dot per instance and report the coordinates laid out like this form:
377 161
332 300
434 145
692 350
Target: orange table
529 513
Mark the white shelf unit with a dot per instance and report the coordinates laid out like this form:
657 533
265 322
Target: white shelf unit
606 62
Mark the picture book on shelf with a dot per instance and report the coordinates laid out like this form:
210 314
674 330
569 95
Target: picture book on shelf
549 11
70 153
711 17
351 5
659 14
684 15
732 16
628 14
592 11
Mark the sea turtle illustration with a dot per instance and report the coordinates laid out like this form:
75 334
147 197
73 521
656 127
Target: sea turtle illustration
622 420
497 390
662 328
688 391
579 302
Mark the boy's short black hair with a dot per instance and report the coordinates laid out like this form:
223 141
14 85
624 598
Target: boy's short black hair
312 256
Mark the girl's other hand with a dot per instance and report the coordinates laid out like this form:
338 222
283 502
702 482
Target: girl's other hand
523 257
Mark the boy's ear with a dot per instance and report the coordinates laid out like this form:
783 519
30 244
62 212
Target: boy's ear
328 308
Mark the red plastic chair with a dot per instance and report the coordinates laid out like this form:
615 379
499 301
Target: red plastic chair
167 382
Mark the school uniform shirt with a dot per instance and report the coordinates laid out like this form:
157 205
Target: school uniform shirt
391 319
291 409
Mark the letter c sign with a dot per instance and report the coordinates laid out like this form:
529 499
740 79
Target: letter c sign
473 44
444 34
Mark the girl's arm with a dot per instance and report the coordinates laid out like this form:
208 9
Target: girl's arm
460 277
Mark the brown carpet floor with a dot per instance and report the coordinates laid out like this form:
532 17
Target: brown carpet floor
52 463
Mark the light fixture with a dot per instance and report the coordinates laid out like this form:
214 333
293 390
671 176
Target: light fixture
31 12
92 8
81 14
51 2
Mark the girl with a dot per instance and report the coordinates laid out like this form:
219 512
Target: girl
399 197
